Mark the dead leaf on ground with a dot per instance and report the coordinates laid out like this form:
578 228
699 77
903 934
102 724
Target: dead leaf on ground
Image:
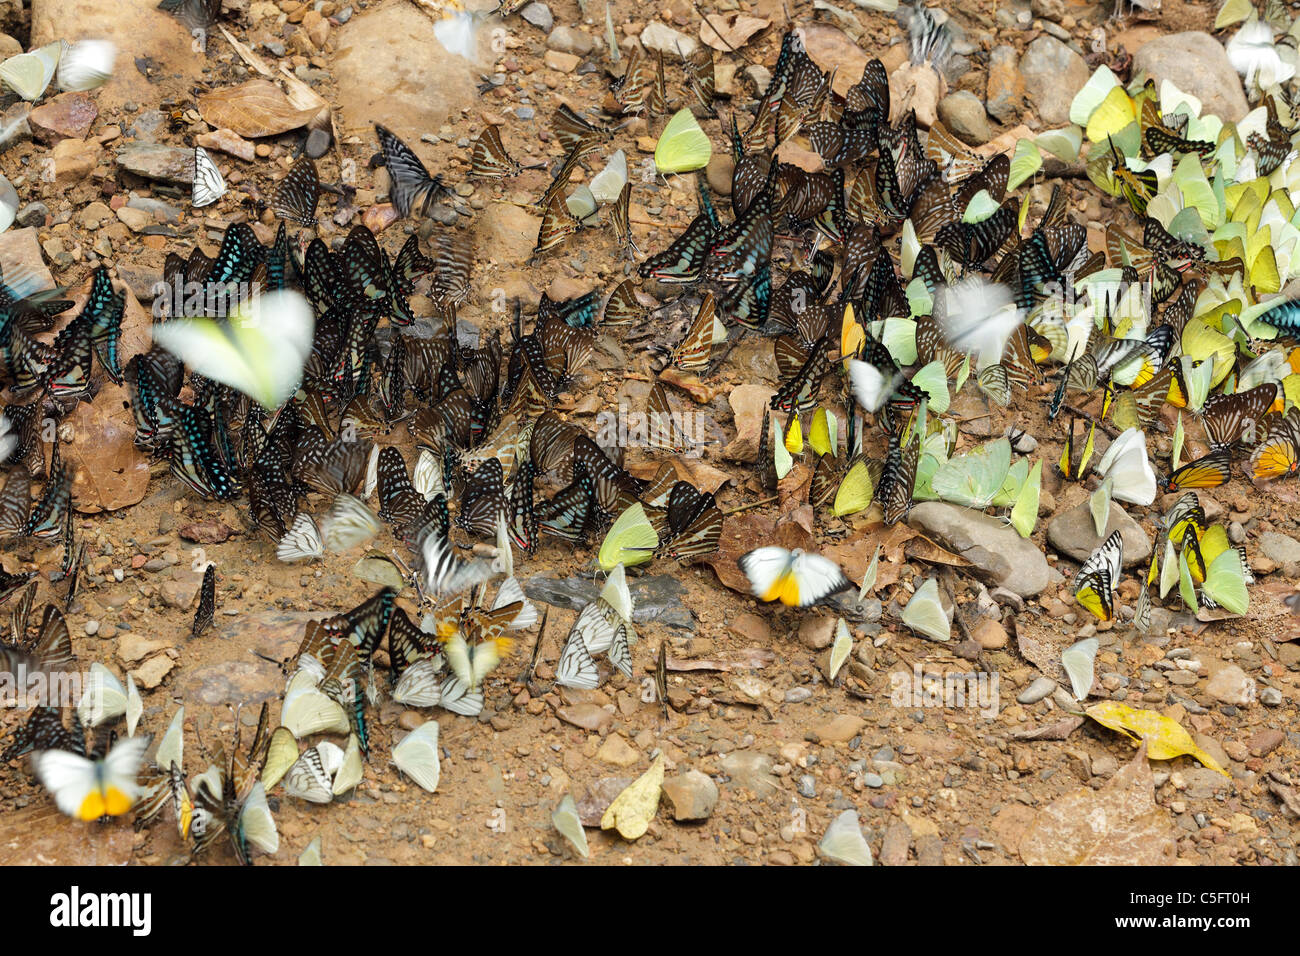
923 549
690 383
210 531
726 37
254 109
1120 824
110 472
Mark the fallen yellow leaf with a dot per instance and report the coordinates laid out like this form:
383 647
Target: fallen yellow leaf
1165 738
634 808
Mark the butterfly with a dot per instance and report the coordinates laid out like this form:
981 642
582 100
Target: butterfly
1278 455
198 16
209 184
796 578
411 187
1227 417
416 755
488 156
557 225
87 789
1098 577
576 667
1208 471
444 574
298 194
207 601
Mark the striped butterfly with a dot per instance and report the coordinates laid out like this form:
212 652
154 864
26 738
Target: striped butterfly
209 184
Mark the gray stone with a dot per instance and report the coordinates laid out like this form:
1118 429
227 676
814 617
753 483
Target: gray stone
655 597
1073 534
166 163
659 37
161 211
691 795
539 15
999 555
20 258
33 214
1281 548
570 40
1053 74
1231 685
1039 689
1197 64
318 143
963 114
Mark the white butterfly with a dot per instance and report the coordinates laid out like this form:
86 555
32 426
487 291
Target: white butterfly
459 698
427 476
417 755
308 779
471 662
349 523
308 711
89 789
619 653
420 684
259 351
301 541
104 698
576 667
512 591
209 184
798 578
86 64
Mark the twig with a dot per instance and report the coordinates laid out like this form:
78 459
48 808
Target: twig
750 507
1108 429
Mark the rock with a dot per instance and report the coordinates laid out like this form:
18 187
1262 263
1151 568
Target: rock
111 472
832 48
36 214
1264 742
916 88
68 115
1005 92
506 233
74 160
133 647
817 633
963 114
1198 65
1039 689
1000 556
1281 548
539 15
990 634
169 164
1053 74
750 770
151 673
894 847
748 403
90 217
691 795
9 46
587 716
20 255
1073 534
1053 10
561 62
570 40
159 210
388 63
840 729
233 682
720 170
137 220
618 751
1231 685
659 37
179 592
229 142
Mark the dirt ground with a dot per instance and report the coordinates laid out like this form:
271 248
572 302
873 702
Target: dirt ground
752 708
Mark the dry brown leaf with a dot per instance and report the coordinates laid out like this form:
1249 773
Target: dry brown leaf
690 383
246 54
254 109
923 549
1120 824
109 471
728 37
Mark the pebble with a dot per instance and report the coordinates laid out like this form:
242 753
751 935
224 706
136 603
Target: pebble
807 786
570 40
539 15
963 114
1039 689
1053 74
692 795
92 628
797 695
1270 697
318 143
